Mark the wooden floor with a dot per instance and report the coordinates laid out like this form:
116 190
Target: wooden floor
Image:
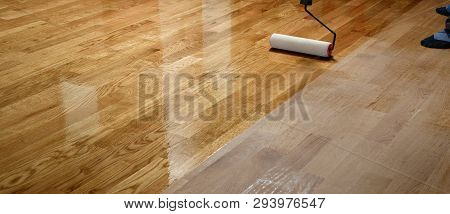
74 112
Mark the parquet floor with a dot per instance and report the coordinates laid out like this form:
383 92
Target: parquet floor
82 80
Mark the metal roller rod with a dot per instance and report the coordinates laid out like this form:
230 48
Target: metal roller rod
334 33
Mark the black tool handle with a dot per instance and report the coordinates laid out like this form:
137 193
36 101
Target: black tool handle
309 2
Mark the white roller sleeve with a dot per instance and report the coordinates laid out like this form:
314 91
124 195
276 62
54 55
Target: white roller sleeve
301 45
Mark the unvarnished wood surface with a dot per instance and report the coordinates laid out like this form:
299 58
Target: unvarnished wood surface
379 123
69 99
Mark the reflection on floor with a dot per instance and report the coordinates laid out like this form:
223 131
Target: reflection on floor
81 82
378 122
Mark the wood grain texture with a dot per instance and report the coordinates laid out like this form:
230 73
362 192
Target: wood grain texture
71 101
377 124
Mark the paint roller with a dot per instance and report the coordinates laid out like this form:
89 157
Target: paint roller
303 45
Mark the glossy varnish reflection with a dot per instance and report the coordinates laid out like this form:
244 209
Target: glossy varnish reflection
72 120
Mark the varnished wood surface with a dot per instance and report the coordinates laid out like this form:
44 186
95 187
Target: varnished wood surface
69 107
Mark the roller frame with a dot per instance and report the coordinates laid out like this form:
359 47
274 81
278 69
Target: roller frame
309 2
